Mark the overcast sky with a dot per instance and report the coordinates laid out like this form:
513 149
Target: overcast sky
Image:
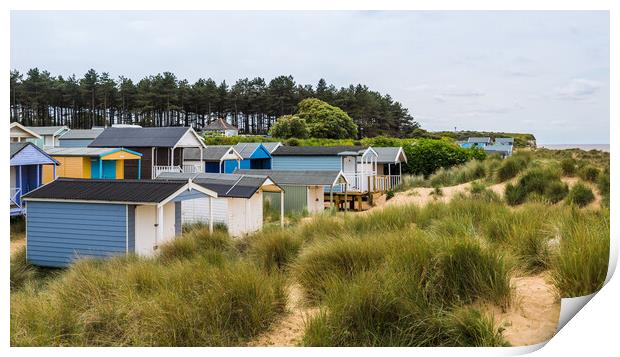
541 72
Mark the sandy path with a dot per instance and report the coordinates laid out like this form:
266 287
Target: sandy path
422 196
534 312
290 329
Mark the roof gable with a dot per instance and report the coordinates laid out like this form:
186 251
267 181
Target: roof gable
390 155
252 151
110 153
212 153
20 131
219 124
26 153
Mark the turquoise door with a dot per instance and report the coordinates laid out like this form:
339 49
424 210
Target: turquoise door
109 169
108 166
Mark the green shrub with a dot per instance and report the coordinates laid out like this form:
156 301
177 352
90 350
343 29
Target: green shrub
569 167
274 249
580 195
289 126
389 195
556 191
589 173
426 156
537 183
293 142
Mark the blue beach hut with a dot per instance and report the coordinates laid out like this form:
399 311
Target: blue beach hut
254 156
27 161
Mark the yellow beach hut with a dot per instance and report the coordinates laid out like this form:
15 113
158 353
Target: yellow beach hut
83 162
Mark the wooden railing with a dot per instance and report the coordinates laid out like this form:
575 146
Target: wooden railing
387 182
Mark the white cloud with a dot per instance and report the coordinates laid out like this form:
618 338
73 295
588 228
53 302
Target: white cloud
578 89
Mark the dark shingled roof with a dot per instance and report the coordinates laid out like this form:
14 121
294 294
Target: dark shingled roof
219 124
226 185
140 137
314 150
131 191
210 153
303 177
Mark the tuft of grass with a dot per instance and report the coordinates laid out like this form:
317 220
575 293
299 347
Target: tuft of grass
556 191
408 182
464 272
580 267
568 166
472 170
589 173
603 186
21 272
538 183
196 241
18 227
580 195
134 301
337 260
514 194
512 166
275 249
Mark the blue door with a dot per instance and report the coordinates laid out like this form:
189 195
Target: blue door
109 169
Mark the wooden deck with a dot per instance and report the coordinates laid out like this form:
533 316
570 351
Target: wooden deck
354 201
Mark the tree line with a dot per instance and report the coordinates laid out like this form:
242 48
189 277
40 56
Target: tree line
253 105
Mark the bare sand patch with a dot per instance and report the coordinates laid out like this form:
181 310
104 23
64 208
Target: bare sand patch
289 330
533 315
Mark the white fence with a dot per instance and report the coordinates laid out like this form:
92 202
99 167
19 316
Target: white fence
15 196
192 169
359 182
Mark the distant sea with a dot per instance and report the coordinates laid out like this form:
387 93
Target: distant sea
602 147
